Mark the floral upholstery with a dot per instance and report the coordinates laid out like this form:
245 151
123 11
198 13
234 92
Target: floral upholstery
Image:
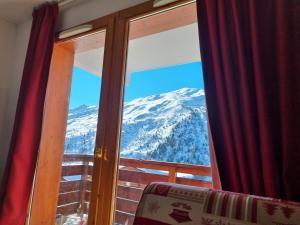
165 204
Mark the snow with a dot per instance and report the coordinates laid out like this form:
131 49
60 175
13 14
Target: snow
168 127
74 219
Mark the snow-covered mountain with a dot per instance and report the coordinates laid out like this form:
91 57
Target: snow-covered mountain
167 127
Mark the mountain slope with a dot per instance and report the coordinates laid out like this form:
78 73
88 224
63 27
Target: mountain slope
168 127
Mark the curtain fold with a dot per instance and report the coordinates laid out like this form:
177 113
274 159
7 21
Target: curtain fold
251 61
18 177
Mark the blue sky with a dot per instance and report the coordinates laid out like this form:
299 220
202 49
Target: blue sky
85 89
86 86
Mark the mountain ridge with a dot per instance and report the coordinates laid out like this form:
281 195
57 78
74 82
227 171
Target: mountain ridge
166 127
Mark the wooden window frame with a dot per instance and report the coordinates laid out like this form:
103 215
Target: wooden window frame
105 171
48 170
108 190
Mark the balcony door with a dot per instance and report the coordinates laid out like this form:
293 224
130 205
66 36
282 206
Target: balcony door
82 128
164 135
69 163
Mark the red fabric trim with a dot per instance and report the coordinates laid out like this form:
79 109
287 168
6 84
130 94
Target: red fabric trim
224 204
210 202
20 167
238 212
145 221
254 211
161 190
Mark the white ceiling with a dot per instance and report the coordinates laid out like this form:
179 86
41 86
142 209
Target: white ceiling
91 61
168 48
18 11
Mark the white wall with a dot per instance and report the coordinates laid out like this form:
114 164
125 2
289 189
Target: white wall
22 39
7 63
13 46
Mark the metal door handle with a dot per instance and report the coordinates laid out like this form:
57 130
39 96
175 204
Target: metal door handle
100 153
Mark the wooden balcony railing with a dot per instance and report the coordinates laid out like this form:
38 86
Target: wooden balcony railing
134 175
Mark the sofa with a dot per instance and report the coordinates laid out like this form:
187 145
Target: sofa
166 203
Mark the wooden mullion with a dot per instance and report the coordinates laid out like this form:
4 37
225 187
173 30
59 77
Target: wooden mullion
99 170
108 182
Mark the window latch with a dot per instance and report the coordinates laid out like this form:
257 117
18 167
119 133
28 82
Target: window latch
100 153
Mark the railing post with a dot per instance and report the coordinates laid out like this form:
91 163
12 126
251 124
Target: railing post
172 175
83 190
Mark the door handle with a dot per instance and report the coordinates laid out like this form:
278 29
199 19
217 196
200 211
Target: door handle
100 153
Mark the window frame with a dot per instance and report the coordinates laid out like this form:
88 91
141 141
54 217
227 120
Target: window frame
105 171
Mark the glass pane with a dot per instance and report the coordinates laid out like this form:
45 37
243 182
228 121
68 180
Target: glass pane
77 167
164 129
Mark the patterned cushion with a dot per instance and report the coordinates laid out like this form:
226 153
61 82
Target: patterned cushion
165 204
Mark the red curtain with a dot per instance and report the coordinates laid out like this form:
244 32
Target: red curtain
20 167
251 60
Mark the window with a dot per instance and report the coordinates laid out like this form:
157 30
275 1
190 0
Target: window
78 160
150 126
164 133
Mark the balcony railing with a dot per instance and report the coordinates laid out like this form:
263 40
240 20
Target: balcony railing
134 175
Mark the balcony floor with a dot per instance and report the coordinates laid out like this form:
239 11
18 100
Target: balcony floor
73 219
